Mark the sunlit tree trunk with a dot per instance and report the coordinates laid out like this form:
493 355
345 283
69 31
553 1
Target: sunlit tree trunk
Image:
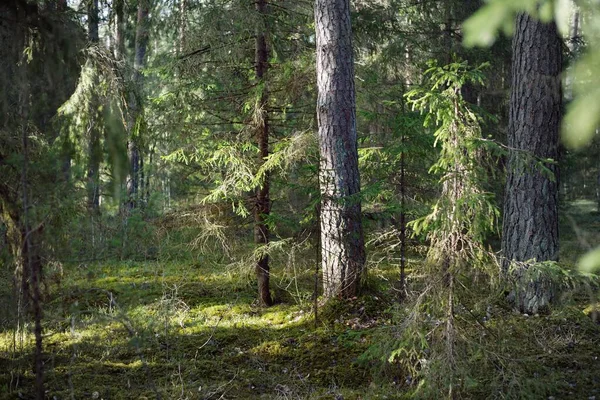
342 241
133 146
530 228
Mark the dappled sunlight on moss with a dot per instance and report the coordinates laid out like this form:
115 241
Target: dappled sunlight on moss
126 327
132 330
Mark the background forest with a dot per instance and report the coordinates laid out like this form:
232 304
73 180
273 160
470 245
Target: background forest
284 199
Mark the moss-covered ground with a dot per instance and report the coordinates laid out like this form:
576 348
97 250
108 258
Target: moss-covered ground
190 329
133 330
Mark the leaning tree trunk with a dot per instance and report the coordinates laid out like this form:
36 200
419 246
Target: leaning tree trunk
342 241
262 207
530 228
133 146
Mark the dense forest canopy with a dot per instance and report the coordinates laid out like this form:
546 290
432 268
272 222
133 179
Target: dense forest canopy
279 199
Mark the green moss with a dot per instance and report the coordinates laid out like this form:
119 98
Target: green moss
193 328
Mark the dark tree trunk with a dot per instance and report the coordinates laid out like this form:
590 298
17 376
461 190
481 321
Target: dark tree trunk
142 182
342 241
141 38
94 149
147 182
92 21
134 173
598 187
32 91
530 228
402 287
30 258
119 30
141 44
263 202
31 287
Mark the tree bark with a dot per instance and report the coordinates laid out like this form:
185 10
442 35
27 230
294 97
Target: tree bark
530 227
342 241
263 202
94 150
92 21
141 44
119 30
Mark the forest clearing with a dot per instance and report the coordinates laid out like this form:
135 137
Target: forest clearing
328 199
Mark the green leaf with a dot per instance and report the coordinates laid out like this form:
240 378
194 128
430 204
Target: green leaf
563 10
590 262
582 120
482 28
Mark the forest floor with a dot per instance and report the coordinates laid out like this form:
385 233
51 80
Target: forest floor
147 329
192 330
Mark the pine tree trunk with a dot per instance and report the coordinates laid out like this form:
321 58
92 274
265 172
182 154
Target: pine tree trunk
342 241
263 202
141 44
530 228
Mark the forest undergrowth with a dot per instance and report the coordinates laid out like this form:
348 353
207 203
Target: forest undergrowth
190 329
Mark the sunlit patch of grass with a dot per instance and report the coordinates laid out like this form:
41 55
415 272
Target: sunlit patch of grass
132 329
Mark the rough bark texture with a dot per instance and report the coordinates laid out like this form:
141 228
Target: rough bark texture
342 241
141 44
263 202
530 229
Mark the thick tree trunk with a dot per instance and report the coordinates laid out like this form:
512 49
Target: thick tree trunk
342 241
141 44
263 202
530 228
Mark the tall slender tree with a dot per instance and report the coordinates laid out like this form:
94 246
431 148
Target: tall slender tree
133 147
263 202
38 53
119 29
94 149
530 227
342 240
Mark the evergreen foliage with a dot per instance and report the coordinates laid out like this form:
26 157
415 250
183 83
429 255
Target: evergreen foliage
160 300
